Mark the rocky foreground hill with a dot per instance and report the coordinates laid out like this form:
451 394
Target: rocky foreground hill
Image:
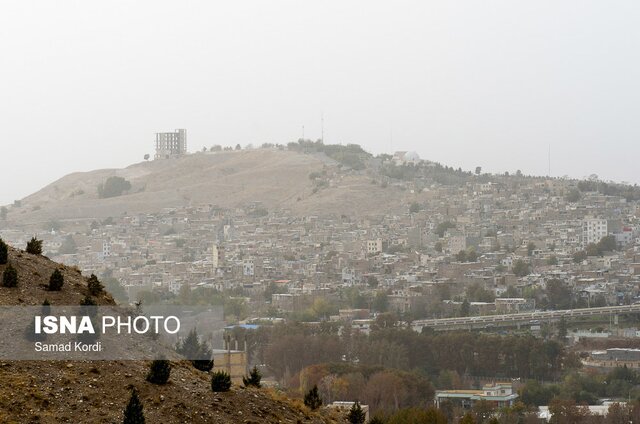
98 391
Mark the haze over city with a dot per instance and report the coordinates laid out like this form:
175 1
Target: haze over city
85 85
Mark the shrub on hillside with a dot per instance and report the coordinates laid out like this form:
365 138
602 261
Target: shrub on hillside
10 277
56 281
159 371
312 398
220 381
356 414
196 351
113 187
34 246
94 285
253 379
4 252
134 413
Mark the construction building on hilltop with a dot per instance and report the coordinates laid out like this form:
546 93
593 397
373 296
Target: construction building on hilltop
171 144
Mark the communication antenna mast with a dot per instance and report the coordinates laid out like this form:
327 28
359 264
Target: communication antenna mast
303 132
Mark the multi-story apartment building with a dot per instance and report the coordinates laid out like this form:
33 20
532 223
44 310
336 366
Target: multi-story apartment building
593 229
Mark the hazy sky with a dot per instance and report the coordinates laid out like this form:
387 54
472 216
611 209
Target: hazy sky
86 84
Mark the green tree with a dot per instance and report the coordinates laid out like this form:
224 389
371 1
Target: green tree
380 302
94 285
558 294
133 413
606 244
552 260
159 371
477 293
312 398
443 227
465 308
4 252
253 379
472 256
592 250
562 329
521 268
579 256
530 248
196 351
56 281
113 187
10 277
356 414
461 256
220 381
573 195
414 207
34 246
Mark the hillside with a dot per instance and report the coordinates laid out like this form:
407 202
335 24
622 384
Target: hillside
278 179
97 391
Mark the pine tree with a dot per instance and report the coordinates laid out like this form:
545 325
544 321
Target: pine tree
356 414
4 252
34 246
10 276
56 281
205 365
159 371
94 285
312 398
133 413
220 381
198 352
253 379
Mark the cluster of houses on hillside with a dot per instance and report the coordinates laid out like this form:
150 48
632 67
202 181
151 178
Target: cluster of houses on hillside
284 263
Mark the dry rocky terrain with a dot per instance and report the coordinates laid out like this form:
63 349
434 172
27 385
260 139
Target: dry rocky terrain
97 391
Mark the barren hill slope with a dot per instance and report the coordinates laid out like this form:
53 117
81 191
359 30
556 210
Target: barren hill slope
98 391
278 179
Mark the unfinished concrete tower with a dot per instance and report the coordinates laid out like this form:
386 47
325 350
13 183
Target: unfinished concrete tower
171 144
